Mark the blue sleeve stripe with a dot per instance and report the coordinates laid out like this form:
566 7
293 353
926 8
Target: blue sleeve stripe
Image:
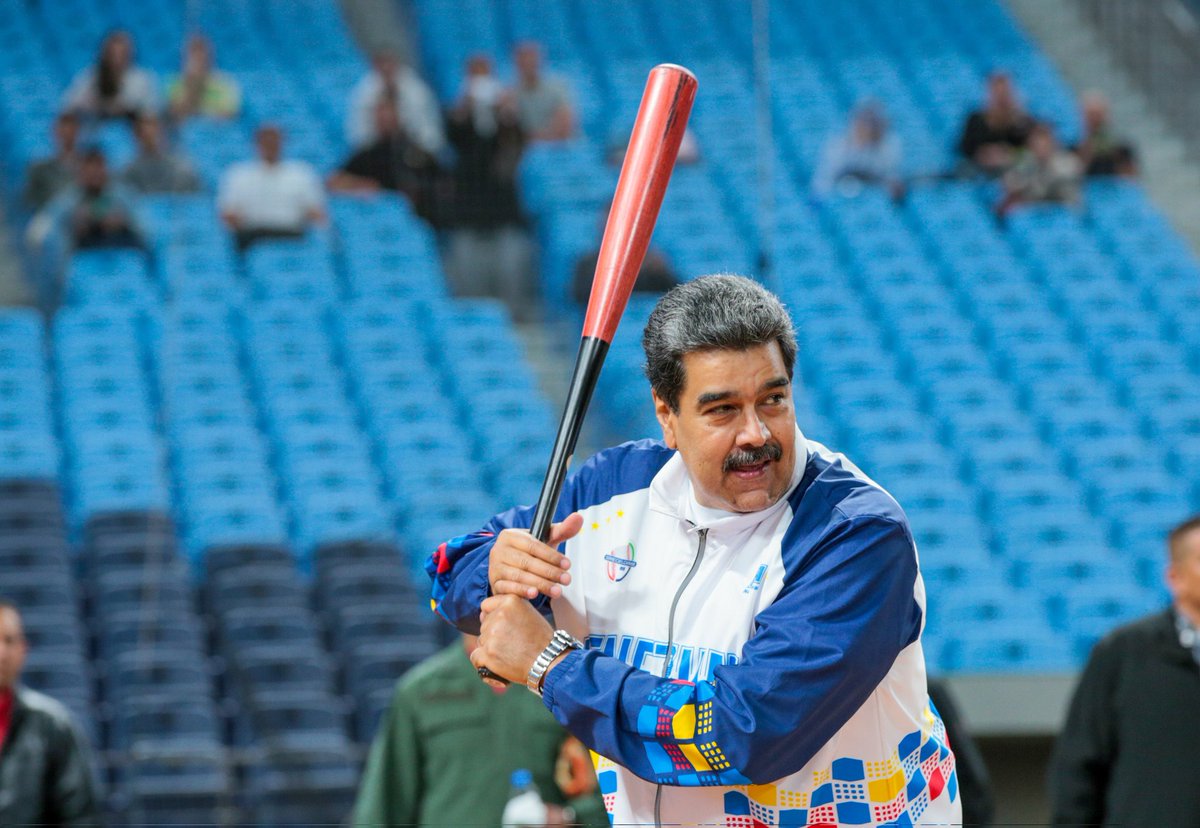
613 472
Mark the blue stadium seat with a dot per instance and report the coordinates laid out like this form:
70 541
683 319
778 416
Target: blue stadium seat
176 786
255 585
997 650
171 671
164 722
270 668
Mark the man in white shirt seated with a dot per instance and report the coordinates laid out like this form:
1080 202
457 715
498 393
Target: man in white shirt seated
270 197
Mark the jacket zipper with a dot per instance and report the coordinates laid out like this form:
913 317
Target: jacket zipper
670 642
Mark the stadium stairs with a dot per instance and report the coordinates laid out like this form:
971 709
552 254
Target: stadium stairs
1170 174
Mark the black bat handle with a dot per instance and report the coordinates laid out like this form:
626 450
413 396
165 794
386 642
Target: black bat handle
588 362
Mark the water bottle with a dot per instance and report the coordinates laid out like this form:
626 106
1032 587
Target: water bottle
525 808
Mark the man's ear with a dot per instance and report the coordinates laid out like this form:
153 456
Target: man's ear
1172 578
666 418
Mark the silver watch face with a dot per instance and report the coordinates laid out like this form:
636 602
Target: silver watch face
560 642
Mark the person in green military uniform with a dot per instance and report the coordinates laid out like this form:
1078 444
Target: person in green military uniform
448 745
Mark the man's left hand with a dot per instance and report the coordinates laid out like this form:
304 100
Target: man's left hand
512 636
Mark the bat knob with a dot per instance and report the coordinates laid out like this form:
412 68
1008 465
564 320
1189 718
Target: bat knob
485 673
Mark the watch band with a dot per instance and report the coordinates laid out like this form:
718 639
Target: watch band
560 642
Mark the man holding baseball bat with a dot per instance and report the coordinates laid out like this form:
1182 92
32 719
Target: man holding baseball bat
735 617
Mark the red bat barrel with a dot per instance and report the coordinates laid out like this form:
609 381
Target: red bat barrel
649 159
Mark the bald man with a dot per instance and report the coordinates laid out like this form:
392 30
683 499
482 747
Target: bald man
45 773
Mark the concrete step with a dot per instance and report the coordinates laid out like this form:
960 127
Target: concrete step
550 348
379 24
14 287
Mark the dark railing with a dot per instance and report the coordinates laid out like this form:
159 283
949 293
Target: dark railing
1158 42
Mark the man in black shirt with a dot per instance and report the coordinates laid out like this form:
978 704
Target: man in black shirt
1131 747
489 251
992 136
393 162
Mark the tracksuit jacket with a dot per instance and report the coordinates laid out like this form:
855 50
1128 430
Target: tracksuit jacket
761 669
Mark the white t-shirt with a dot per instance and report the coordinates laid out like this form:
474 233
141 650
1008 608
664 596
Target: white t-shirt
420 115
138 91
271 196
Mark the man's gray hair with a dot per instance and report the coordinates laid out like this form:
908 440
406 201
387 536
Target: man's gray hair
721 312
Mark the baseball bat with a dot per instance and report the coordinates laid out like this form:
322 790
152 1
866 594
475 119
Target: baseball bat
649 159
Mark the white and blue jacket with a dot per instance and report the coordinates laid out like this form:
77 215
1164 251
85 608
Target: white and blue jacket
764 669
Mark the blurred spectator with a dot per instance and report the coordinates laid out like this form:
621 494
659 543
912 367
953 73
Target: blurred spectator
489 252
95 212
393 162
46 776
992 136
448 744
867 153
48 177
270 197
1101 150
200 89
156 169
114 87
1045 173
543 101
415 102
655 276
1128 752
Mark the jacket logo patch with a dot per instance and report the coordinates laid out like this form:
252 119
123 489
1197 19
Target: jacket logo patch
755 584
620 562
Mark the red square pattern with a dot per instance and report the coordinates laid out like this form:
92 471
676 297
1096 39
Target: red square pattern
891 810
822 815
663 725
936 783
677 757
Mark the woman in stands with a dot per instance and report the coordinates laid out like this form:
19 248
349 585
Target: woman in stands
114 87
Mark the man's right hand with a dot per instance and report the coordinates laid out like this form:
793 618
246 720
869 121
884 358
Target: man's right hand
520 564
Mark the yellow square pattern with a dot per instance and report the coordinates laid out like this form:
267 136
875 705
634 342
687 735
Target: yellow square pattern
927 723
822 776
885 790
762 794
695 757
792 799
704 718
600 762
683 723
884 769
714 756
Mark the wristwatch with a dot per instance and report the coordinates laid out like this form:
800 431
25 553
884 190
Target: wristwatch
560 642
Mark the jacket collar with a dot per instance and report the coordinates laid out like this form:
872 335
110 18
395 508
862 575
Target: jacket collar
1187 634
670 491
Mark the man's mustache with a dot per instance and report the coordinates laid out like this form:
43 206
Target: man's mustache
752 457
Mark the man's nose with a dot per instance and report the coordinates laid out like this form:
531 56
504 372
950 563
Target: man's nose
754 431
